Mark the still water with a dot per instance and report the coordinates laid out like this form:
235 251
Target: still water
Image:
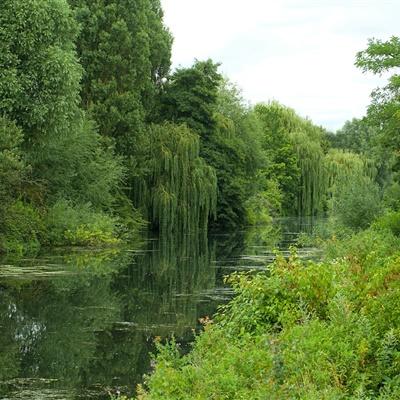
81 324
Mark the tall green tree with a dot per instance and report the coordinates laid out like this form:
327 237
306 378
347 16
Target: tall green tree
213 108
234 150
384 110
11 165
39 90
352 193
191 95
40 107
12 172
356 136
282 163
125 52
362 137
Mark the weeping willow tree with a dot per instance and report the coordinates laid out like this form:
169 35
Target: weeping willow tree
342 166
295 150
343 169
325 176
309 176
178 192
322 174
310 157
352 193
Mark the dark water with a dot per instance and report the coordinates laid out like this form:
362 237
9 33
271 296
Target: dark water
82 325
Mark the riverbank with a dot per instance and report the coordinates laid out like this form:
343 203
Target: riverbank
306 330
27 230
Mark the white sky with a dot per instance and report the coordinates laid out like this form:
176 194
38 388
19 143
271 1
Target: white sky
300 53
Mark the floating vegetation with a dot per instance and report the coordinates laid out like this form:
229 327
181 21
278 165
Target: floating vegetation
35 389
68 262
127 326
32 272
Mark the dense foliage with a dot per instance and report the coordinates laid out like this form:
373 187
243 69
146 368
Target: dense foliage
125 51
62 154
87 156
234 150
382 57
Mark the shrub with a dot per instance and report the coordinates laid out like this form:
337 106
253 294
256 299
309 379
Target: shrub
261 206
69 225
390 221
391 196
22 229
356 203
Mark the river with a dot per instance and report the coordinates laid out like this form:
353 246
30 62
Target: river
81 324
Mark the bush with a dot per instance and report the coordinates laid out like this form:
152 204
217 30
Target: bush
391 196
257 210
69 225
261 206
390 221
356 203
367 246
22 229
